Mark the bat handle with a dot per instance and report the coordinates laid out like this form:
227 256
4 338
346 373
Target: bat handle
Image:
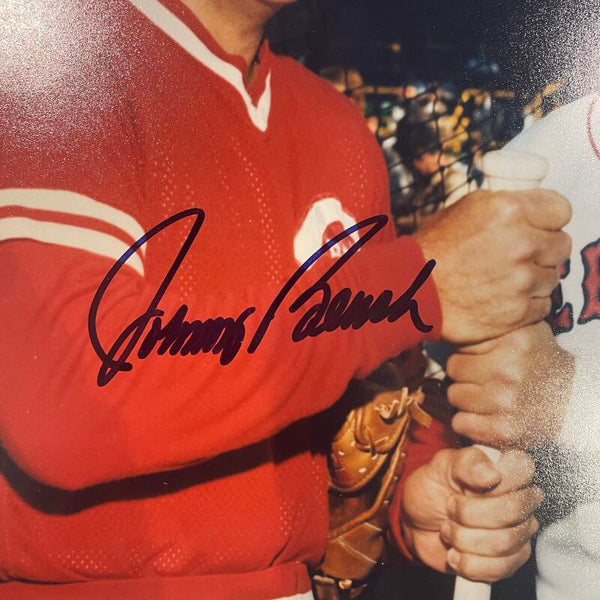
464 589
504 170
507 170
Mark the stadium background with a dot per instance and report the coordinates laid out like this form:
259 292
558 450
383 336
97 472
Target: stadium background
465 76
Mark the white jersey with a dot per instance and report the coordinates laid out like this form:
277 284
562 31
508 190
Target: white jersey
568 550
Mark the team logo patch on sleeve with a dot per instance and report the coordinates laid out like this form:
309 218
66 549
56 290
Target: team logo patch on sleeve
325 219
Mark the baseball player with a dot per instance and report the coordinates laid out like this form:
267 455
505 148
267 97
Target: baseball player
154 422
528 388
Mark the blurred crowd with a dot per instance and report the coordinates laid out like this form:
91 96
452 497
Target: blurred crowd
433 135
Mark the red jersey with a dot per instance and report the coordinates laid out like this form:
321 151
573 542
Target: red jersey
180 477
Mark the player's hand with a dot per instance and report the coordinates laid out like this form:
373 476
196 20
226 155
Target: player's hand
496 255
461 513
511 391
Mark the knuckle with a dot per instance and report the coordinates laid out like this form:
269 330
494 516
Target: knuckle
564 244
523 248
509 206
521 536
524 507
510 565
508 540
507 430
533 310
521 311
522 504
525 465
469 568
512 374
539 496
514 562
528 467
568 245
522 557
565 210
516 373
527 554
499 572
494 543
508 399
479 196
488 570
523 278
524 533
546 306
553 279
514 510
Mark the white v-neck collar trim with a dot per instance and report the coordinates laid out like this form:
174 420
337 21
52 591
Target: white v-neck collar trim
182 35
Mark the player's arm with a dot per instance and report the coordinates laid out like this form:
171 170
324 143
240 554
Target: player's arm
168 412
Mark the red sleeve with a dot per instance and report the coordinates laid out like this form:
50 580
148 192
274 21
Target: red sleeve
423 445
168 411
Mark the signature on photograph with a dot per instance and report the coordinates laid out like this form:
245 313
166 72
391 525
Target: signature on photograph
153 331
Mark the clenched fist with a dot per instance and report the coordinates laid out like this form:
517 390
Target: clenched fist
511 391
496 255
461 513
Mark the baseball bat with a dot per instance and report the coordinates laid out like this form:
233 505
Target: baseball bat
503 170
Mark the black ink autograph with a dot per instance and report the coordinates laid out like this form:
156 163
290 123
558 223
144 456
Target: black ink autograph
225 335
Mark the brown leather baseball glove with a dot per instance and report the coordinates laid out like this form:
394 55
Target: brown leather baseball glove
366 459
